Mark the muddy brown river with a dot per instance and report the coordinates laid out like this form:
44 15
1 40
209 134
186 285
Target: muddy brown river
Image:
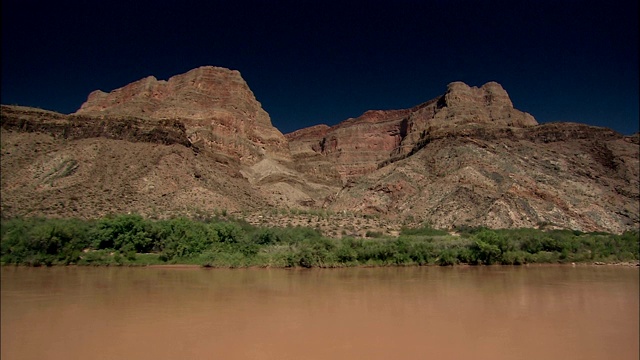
529 312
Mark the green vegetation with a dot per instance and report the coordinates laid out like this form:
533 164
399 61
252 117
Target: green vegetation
133 240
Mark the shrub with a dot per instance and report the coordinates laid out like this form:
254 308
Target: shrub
486 253
376 250
119 231
266 237
514 258
467 256
422 252
127 239
543 257
447 257
229 232
425 230
182 238
492 237
43 242
347 251
318 252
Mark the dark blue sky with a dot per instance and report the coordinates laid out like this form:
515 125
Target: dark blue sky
311 62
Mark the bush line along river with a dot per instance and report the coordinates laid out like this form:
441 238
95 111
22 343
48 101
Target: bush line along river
230 243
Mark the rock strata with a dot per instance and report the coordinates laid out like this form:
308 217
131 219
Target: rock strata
220 112
200 143
74 127
558 175
359 145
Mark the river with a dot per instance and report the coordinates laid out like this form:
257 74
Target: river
528 312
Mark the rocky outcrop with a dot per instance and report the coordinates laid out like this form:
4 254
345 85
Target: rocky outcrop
488 105
306 140
309 159
73 127
464 107
200 143
354 147
559 175
358 146
81 166
220 112
469 158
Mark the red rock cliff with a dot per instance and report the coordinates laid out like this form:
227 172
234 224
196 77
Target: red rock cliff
219 110
358 146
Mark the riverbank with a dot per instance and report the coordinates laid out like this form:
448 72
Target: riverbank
195 266
130 240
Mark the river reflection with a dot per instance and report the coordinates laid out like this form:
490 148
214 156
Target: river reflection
545 312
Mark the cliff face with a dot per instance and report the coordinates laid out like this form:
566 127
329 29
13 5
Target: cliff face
219 111
469 158
74 127
560 175
200 142
309 158
358 146
81 166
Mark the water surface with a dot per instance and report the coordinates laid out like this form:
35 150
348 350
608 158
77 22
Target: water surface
545 312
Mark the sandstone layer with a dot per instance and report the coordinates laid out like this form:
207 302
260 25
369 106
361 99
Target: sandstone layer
358 146
200 143
82 166
553 175
220 112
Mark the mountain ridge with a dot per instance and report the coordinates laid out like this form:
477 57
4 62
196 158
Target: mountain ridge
200 141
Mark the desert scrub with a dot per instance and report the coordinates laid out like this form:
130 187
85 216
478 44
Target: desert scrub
39 241
214 242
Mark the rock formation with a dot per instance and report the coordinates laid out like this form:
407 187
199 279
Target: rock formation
77 166
470 158
559 175
358 146
200 142
220 112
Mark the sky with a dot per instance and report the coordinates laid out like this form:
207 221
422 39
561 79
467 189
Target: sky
313 62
